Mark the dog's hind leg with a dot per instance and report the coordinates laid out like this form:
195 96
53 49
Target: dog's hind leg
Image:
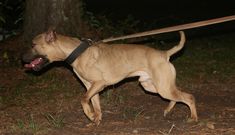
148 85
169 107
145 81
178 96
174 95
165 84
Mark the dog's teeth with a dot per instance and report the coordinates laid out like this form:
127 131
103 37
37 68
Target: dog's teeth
27 65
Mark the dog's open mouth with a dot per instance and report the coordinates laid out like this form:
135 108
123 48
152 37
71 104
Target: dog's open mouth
37 63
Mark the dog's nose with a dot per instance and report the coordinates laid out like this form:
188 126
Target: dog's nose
27 57
24 58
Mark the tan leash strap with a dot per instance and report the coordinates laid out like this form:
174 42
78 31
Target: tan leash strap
174 28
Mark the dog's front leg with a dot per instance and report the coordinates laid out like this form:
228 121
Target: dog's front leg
95 88
95 100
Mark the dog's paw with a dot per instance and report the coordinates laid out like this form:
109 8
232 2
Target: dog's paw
97 119
91 116
97 122
165 113
191 120
194 118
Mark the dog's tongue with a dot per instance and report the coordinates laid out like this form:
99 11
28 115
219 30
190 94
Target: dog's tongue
33 63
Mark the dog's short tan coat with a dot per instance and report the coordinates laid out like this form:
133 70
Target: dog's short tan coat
102 65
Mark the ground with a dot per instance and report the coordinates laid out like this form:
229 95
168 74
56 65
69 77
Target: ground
49 102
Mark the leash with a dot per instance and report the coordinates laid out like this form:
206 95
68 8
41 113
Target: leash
86 43
173 28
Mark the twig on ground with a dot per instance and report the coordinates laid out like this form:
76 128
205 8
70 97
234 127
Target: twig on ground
172 126
169 132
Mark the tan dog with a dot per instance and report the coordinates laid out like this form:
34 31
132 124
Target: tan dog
101 65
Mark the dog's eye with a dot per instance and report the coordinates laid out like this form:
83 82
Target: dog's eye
33 45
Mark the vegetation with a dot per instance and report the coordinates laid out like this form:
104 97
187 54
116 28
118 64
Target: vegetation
11 17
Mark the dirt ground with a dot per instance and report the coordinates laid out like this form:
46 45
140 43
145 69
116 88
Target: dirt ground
48 103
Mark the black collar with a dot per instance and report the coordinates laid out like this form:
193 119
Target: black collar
77 52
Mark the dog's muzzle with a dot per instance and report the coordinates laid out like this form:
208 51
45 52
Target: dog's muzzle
34 62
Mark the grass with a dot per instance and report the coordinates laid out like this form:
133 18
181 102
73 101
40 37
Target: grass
20 124
33 126
132 112
29 125
44 85
112 96
56 121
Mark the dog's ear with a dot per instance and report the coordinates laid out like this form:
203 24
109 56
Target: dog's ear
50 36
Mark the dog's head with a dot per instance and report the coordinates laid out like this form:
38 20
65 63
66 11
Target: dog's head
44 51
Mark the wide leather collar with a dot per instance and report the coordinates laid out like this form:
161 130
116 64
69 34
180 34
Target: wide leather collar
77 51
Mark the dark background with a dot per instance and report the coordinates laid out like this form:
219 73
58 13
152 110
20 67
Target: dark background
131 16
162 9
154 14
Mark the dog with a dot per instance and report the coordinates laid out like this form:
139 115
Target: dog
100 65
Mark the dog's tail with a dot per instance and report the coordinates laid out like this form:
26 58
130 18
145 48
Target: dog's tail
177 47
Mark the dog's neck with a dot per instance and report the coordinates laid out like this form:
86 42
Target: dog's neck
72 48
67 45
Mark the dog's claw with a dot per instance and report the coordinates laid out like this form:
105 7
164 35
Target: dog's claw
97 122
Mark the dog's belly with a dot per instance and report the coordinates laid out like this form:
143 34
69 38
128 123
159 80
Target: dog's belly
145 80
